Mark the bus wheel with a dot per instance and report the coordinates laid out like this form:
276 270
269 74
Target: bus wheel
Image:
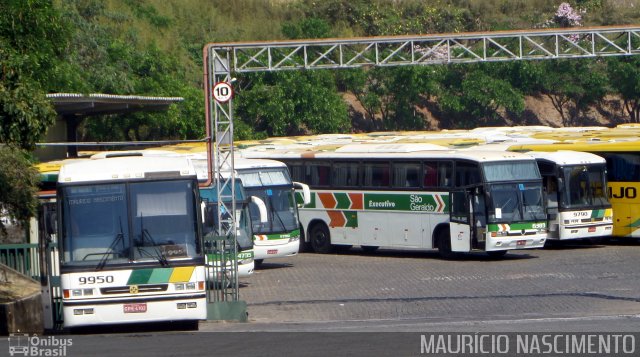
369 248
444 244
497 253
320 239
258 262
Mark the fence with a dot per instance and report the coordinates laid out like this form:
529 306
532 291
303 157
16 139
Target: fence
21 257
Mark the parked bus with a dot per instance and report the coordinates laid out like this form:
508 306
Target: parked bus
404 196
269 181
575 184
244 232
623 176
130 236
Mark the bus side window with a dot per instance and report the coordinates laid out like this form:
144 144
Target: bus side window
318 174
445 172
467 174
345 174
376 174
406 175
430 174
297 171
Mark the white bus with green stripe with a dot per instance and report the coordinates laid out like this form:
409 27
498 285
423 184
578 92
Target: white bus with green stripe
576 188
268 182
130 235
409 196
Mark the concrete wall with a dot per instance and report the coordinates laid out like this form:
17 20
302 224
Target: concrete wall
20 303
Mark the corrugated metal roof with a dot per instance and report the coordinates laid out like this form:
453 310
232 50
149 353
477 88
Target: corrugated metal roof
104 104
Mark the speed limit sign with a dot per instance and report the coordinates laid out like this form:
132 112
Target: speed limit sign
222 92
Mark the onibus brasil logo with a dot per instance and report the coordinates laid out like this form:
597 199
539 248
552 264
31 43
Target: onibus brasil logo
25 345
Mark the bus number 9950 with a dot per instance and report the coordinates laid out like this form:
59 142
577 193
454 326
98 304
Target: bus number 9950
100 279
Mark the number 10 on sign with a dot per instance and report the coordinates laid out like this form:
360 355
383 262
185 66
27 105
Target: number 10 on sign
222 92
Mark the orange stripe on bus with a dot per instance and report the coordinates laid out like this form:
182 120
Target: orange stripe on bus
337 219
327 199
356 200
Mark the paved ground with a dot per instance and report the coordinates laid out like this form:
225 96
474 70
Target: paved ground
569 281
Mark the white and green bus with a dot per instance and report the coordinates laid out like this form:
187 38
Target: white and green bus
244 232
130 240
268 182
575 184
403 196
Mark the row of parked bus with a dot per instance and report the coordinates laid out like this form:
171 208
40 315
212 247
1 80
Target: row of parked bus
128 226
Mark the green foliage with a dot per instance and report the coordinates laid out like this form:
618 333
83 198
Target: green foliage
291 103
392 94
18 186
573 85
33 37
475 96
624 79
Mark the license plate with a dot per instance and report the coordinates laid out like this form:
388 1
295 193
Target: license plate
521 243
592 229
272 251
135 308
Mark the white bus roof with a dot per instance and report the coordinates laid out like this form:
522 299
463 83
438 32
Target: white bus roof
123 168
478 156
567 157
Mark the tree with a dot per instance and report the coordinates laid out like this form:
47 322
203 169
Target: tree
32 43
392 94
474 95
291 103
573 85
624 79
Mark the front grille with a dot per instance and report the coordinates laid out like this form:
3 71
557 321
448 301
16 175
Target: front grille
151 288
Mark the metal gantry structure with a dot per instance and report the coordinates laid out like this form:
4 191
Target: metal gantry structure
222 60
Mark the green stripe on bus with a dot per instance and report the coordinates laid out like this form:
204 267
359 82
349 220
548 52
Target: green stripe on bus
406 202
140 276
160 275
352 219
517 226
343 201
635 224
597 213
274 236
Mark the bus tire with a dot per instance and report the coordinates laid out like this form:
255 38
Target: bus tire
258 262
369 248
497 253
444 244
320 239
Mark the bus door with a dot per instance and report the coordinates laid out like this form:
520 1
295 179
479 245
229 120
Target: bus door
478 218
51 294
460 221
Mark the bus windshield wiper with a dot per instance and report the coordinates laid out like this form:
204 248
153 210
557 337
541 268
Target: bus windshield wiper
111 249
146 236
273 209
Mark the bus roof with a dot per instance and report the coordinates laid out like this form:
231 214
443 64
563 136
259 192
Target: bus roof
567 157
124 168
588 146
392 153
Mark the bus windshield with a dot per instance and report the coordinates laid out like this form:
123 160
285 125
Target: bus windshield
583 186
282 215
514 202
97 221
510 171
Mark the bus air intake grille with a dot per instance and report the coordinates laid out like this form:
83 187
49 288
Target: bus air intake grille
152 288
